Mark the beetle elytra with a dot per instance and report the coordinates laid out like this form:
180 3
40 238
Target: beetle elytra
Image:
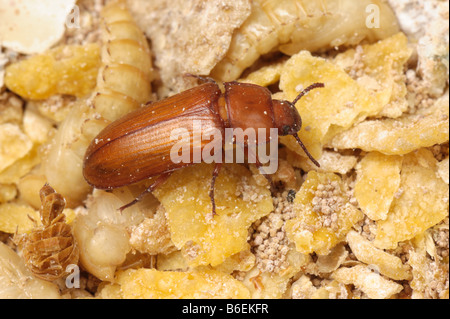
138 145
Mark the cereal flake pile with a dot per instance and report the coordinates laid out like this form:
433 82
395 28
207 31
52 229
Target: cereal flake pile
371 222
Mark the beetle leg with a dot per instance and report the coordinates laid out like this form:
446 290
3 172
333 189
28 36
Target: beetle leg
211 189
161 179
260 167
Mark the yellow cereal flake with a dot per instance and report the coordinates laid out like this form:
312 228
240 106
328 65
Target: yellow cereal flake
67 69
55 108
329 263
241 261
14 144
152 236
385 263
29 187
173 261
425 243
7 192
108 290
381 66
270 285
443 170
324 214
426 274
16 217
11 107
266 75
21 167
325 111
35 125
329 162
377 181
153 284
421 203
303 288
202 238
429 126
371 283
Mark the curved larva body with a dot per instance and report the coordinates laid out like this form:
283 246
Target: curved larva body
293 25
17 281
123 84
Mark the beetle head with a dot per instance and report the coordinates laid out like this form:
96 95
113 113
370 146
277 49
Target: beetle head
288 120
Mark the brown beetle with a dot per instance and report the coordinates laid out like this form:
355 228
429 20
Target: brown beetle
138 145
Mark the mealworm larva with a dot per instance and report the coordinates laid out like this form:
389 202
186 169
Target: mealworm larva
49 248
293 25
123 84
123 81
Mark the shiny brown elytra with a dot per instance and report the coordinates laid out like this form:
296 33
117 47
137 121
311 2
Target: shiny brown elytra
138 145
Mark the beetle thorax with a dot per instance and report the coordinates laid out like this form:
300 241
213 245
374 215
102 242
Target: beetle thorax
249 106
286 117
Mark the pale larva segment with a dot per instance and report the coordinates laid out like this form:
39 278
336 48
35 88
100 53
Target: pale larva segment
132 82
119 24
123 82
129 52
124 43
17 282
255 37
123 85
113 104
294 25
102 232
116 11
344 23
62 163
123 30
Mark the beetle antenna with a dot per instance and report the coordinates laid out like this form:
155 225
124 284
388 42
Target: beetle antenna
309 88
306 151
